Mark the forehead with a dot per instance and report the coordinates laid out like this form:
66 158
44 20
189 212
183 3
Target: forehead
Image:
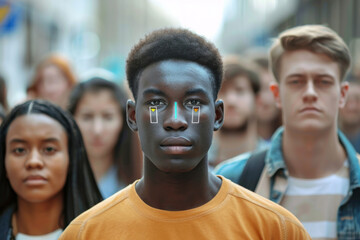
176 77
306 62
32 126
238 81
102 98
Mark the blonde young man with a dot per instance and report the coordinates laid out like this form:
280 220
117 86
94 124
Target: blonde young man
311 168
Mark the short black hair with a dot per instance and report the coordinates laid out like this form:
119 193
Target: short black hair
173 43
234 70
125 157
80 190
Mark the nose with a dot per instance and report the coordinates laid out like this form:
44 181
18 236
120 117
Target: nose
310 92
98 126
175 119
34 160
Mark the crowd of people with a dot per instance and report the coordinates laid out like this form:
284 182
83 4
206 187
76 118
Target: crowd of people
273 153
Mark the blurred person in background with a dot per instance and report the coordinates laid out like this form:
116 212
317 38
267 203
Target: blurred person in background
3 94
239 92
52 81
99 107
268 115
45 176
349 117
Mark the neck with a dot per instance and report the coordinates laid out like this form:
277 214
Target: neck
177 191
38 218
233 144
100 165
312 155
265 129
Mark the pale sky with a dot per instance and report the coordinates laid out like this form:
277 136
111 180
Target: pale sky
204 17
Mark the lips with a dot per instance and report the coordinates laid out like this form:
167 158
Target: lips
176 145
306 109
35 180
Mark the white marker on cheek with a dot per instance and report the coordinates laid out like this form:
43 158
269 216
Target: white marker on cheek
195 118
153 114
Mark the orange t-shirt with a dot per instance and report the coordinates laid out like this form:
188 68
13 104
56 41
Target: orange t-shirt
234 213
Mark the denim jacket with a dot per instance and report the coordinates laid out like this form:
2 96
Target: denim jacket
348 219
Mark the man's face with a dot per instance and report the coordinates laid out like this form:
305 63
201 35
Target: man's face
171 89
350 114
239 100
309 92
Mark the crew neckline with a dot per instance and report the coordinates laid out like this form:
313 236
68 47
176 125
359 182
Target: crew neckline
175 216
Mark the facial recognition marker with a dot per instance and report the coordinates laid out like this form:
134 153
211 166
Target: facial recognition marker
195 114
175 110
153 114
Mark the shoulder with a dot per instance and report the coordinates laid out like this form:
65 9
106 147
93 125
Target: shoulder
97 214
232 168
267 214
5 219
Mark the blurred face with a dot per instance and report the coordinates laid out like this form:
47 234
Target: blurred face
266 109
53 85
309 93
239 100
36 158
99 118
350 114
175 143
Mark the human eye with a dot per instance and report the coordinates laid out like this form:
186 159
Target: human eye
108 116
324 81
87 116
156 102
18 151
192 102
49 150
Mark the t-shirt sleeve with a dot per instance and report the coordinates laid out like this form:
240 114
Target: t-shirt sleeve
71 232
295 232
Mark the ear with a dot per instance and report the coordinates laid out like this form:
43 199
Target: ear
344 89
131 115
275 89
219 114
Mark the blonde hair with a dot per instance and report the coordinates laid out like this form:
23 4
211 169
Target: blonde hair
315 38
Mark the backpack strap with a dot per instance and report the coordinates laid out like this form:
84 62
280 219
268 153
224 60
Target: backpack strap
252 171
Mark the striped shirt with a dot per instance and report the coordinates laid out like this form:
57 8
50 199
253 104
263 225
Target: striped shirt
315 202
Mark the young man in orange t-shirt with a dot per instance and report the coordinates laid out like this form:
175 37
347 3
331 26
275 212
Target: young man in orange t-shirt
175 76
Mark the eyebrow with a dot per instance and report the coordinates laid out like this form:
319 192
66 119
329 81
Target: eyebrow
154 91
17 140
317 75
196 91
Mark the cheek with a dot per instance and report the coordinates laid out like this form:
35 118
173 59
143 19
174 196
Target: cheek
13 169
59 170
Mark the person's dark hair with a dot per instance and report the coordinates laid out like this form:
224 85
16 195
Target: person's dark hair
263 62
170 43
2 113
234 70
3 95
124 155
80 190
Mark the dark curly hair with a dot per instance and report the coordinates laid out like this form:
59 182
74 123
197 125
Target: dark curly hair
171 43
